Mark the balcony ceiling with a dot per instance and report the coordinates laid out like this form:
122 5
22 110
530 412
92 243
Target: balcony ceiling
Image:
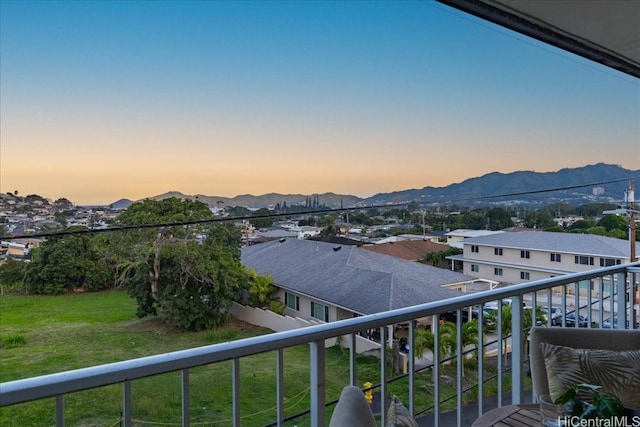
604 31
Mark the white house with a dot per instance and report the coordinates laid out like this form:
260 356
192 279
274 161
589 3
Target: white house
516 257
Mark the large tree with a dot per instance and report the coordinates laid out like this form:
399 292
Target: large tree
65 263
187 274
498 218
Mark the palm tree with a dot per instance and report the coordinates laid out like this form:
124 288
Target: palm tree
527 323
448 334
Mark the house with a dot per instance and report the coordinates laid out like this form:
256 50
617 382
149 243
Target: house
517 257
18 250
328 282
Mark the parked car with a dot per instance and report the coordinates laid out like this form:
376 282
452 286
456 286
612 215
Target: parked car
570 321
554 311
613 324
487 313
493 305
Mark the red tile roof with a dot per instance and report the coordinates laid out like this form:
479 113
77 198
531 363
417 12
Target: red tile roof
408 249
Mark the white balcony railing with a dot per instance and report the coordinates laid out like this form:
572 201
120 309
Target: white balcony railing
599 295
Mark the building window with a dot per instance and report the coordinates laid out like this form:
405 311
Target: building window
319 311
475 268
525 254
475 248
556 258
584 260
524 275
497 251
292 301
497 271
608 262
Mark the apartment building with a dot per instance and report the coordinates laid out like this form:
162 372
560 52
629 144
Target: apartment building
517 257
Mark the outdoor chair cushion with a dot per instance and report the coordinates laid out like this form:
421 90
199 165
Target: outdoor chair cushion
398 415
619 340
617 372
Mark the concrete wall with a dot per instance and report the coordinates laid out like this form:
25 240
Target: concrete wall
275 322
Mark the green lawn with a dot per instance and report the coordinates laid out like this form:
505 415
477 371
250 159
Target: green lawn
42 335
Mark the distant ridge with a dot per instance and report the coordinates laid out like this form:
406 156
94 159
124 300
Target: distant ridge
471 192
496 183
121 204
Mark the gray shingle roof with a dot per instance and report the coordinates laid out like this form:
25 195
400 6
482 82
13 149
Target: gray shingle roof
353 278
585 244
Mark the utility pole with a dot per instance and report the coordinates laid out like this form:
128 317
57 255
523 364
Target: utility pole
632 252
630 211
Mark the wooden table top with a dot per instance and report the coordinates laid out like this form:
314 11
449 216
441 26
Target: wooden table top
523 415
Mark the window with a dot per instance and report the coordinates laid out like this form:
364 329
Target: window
584 260
319 311
608 262
475 268
497 251
475 248
497 271
524 275
292 301
556 258
525 254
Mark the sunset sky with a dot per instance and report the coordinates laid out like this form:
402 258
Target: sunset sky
102 100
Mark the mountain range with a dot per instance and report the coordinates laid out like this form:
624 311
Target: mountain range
588 184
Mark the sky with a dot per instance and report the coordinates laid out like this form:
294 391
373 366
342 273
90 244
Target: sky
102 100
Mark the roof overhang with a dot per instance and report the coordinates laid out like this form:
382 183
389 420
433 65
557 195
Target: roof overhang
604 31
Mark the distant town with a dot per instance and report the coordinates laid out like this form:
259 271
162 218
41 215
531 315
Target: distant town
23 216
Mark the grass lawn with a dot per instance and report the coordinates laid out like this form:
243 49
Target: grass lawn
42 335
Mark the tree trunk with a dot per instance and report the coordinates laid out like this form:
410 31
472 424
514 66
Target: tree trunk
155 270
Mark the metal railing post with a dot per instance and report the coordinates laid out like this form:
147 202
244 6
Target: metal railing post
235 386
383 372
60 410
280 387
353 377
185 397
126 404
459 366
517 358
500 353
435 327
317 383
621 291
480 358
412 367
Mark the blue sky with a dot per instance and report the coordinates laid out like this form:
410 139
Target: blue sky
102 100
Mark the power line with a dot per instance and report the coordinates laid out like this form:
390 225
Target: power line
314 212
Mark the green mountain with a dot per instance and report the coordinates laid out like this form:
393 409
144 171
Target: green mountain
528 187
570 184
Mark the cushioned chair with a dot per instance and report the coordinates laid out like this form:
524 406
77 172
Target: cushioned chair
569 355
